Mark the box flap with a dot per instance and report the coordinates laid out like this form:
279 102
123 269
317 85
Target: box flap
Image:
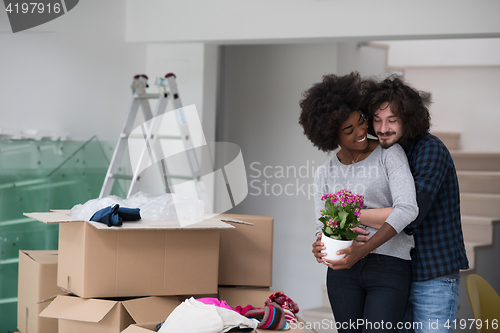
75 308
62 211
151 309
51 217
212 223
141 328
42 257
62 216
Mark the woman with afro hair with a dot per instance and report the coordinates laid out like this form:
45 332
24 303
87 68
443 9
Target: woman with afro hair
371 295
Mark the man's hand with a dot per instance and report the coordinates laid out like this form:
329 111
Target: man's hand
353 255
317 247
362 237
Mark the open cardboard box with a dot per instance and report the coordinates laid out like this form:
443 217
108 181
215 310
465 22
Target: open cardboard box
140 258
234 297
79 315
246 252
37 286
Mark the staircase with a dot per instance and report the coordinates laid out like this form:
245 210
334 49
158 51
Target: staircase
479 182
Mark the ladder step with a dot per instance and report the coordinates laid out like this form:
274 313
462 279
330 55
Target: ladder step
147 96
129 177
121 176
181 177
162 137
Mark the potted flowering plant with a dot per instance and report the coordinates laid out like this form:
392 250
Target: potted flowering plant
341 213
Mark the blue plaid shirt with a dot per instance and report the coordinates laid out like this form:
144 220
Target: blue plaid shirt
439 244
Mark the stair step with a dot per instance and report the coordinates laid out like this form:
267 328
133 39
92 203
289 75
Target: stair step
319 320
479 181
319 313
477 228
469 250
475 204
474 161
478 220
450 139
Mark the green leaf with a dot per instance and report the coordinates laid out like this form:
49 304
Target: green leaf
351 235
328 231
329 208
335 210
343 217
351 219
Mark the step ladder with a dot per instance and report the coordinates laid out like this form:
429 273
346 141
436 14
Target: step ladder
152 147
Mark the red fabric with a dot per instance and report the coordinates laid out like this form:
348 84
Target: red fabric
284 301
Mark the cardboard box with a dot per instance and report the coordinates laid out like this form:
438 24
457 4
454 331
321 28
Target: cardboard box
80 315
36 288
141 328
141 258
246 252
234 297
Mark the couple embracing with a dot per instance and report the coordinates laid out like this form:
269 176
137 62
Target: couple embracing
403 273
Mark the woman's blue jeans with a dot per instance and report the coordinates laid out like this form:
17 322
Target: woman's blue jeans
371 296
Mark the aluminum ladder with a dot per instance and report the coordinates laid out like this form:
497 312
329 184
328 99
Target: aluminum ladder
152 148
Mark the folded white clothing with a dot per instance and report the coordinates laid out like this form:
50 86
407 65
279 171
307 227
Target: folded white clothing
193 316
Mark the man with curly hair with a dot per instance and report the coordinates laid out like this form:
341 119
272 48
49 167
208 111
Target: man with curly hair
397 113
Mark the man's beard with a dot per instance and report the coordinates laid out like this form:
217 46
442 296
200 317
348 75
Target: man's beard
386 143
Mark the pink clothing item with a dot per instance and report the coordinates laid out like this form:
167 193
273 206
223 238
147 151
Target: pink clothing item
216 302
242 311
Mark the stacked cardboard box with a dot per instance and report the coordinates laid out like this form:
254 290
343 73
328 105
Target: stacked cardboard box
150 263
36 288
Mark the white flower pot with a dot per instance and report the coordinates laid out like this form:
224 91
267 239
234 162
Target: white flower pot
332 246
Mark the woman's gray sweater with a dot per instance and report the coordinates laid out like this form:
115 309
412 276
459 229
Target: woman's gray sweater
385 180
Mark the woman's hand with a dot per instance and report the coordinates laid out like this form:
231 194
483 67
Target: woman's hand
353 255
317 247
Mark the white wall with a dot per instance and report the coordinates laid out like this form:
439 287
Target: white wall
261 89
463 76
262 21
443 53
466 100
361 58
71 74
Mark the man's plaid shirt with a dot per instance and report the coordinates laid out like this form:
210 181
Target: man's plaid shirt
439 245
